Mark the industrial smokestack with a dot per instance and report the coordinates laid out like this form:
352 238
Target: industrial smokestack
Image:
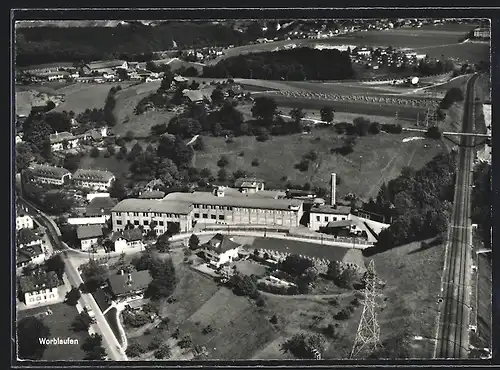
129 279
333 189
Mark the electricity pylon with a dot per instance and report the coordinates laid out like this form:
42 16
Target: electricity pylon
368 335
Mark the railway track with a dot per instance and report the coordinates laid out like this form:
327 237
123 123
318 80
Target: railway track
453 325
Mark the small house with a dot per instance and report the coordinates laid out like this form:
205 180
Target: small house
39 288
128 286
89 236
128 238
62 141
33 254
220 250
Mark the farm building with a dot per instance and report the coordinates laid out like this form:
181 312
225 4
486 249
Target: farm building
321 215
50 175
105 66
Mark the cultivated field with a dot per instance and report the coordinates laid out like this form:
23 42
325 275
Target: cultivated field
413 280
376 159
59 324
415 38
79 97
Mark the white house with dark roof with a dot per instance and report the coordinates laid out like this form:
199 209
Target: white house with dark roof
50 175
106 66
321 215
33 254
129 286
89 236
23 220
129 238
62 140
40 288
93 179
220 250
26 238
249 184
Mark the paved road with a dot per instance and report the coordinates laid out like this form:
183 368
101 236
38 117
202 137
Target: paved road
454 317
110 342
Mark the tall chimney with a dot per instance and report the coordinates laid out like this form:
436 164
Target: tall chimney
129 279
333 189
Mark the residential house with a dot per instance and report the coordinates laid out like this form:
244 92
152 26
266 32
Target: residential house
23 220
300 194
39 288
482 32
33 254
96 135
89 236
178 80
100 206
128 238
93 179
44 68
26 238
321 215
196 96
62 140
249 185
54 76
220 250
50 175
129 286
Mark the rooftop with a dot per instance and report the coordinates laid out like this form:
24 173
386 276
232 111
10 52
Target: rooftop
39 280
89 232
154 194
196 95
136 280
333 210
235 201
99 206
221 243
27 253
247 181
152 205
341 223
92 175
59 137
132 235
272 194
26 236
106 64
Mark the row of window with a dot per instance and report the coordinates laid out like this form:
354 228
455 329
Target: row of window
39 292
213 217
148 214
318 218
207 206
144 222
39 298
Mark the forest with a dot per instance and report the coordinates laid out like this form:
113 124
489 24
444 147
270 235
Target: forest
41 45
297 64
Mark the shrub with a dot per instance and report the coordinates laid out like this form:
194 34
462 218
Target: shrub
129 136
94 152
433 132
303 165
255 162
374 128
273 320
207 329
223 161
135 349
260 302
241 154
343 314
156 342
163 352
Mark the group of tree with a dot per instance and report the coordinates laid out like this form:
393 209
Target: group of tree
93 347
40 45
52 201
481 202
29 331
304 346
427 67
162 272
94 275
91 118
109 106
297 64
418 202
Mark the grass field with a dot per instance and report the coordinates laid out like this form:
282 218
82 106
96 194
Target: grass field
413 280
126 101
375 159
59 324
79 97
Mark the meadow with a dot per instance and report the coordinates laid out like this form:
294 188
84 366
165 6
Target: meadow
376 159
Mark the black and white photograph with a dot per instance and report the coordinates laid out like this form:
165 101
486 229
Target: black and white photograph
252 189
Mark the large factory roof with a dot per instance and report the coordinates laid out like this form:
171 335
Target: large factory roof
152 205
235 201
331 210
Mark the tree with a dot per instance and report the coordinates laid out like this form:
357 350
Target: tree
347 278
217 96
96 354
273 320
156 342
91 342
57 202
56 264
361 125
194 242
327 114
117 189
94 152
374 128
72 162
24 156
223 161
433 132
135 349
222 175
134 152
81 322
29 331
199 144
50 105
194 85
94 275
264 108
129 135
163 243
163 352
163 283
302 346
72 297
186 342
295 265
244 286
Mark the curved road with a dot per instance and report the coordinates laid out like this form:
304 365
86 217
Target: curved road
453 325
110 342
